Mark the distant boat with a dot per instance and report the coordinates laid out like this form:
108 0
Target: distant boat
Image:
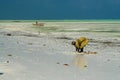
39 24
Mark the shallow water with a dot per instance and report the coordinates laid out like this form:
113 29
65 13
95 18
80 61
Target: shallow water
105 28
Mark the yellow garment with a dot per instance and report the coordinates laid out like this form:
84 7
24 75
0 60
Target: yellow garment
81 42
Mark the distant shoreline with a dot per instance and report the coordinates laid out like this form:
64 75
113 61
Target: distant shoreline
84 20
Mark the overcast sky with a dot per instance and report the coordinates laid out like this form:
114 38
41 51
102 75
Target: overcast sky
59 9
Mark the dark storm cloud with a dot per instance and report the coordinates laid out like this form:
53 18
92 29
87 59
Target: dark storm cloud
59 9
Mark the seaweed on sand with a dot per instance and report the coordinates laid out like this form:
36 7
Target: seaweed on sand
1 73
64 37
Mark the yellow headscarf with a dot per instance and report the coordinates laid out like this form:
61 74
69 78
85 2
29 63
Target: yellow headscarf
81 42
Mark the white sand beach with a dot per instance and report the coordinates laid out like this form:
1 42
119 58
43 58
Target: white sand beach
29 52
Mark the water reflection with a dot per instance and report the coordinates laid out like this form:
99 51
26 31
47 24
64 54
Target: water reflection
80 61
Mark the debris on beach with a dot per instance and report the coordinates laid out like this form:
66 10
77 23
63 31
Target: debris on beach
107 42
58 63
87 52
66 64
108 59
44 44
64 37
30 35
9 54
7 61
85 65
63 64
30 43
8 34
1 73
90 52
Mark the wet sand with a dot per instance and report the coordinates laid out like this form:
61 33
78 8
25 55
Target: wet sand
28 52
